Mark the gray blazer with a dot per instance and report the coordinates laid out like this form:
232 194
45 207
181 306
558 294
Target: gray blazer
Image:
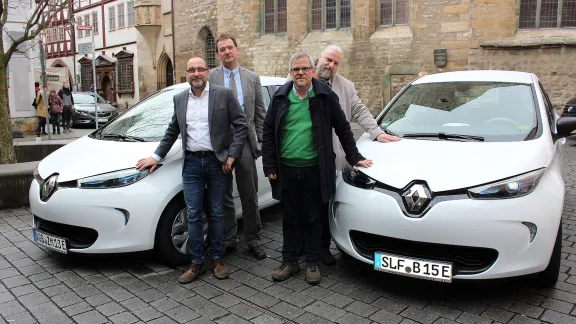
224 112
254 107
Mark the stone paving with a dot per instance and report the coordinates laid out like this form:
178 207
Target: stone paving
41 286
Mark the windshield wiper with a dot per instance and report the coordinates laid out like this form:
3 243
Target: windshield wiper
444 136
124 137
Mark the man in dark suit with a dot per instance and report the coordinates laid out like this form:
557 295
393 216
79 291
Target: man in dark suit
204 116
247 88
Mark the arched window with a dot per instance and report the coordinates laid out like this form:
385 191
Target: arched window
210 50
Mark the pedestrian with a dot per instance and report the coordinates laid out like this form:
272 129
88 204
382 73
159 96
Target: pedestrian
246 86
55 105
298 159
40 113
68 100
327 68
203 117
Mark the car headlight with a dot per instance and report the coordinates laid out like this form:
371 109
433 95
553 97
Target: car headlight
510 188
115 179
83 112
357 179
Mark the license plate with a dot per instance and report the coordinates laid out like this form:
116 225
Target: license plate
102 120
411 267
52 242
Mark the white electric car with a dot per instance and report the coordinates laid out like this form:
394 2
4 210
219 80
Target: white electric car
87 197
474 188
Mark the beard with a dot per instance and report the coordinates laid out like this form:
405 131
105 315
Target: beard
197 84
325 74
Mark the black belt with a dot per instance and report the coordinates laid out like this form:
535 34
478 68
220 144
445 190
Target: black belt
200 153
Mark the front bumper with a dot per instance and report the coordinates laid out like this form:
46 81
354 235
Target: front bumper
101 220
103 117
491 234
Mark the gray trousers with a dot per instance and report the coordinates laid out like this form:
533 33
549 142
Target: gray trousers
247 184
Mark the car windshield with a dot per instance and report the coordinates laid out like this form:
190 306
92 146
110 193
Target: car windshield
147 120
84 98
485 111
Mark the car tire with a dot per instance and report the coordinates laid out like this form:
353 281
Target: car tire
549 277
165 246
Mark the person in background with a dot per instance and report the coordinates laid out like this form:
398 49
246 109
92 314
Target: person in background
56 106
68 100
41 113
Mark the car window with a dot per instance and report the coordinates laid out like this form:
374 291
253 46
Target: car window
266 95
495 111
148 119
84 98
549 109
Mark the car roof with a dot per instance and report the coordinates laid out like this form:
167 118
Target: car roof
264 80
478 76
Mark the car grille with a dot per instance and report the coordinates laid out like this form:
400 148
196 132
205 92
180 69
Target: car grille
77 237
101 114
465 260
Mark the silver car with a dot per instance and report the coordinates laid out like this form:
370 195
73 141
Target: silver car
84 110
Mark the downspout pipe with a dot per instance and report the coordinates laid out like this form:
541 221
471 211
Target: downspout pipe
173 44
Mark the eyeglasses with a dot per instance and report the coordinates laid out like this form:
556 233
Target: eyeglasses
200 70
304 70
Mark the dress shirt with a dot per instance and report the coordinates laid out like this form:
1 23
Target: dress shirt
238 83
296 91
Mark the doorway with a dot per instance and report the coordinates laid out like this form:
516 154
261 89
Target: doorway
107 91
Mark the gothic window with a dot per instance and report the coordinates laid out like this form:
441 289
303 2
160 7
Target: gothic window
86 76
210 48
394 12
125 73
330 14
275 16
547 14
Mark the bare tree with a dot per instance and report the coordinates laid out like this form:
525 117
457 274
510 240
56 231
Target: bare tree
38 18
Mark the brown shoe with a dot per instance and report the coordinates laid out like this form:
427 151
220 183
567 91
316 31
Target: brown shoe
192 274
285 271
313 275
220 269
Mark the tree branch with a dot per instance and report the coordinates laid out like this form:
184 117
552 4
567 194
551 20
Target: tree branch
4 14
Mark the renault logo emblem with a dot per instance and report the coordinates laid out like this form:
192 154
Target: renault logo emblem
416 198
48 187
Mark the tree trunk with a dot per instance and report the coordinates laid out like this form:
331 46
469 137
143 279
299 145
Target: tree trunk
7 153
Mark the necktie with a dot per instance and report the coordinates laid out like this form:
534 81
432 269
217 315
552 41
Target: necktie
232 85
328 83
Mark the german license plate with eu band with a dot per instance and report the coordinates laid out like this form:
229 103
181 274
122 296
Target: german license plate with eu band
424 269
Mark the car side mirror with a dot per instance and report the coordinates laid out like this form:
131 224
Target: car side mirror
565 126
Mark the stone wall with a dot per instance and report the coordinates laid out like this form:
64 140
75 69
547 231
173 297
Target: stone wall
380 60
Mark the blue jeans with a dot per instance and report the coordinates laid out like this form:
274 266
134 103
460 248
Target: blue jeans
200 173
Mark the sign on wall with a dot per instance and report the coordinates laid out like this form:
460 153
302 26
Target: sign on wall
440 57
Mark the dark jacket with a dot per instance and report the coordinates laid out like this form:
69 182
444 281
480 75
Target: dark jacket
326 114
67 92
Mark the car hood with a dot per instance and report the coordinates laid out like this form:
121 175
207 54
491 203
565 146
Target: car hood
449 165
87 157
90 107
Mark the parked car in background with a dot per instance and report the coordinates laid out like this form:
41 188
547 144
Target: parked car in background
474 190
84 109
570 108
88 197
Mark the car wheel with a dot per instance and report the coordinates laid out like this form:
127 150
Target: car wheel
548 277
172 234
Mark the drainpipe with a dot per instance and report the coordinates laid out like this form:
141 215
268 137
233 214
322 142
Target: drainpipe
173 45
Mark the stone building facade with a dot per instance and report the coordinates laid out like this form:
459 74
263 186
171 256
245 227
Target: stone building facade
388 42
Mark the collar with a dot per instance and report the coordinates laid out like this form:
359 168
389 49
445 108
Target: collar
320 88
227 72
204 92
296 91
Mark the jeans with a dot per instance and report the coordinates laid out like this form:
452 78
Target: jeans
66 117
41 126
55 120
302 201
200 172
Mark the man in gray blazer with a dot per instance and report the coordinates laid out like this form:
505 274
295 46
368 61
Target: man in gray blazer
204 116
327 70
246 86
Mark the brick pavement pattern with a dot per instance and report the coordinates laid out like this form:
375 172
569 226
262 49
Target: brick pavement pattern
42 286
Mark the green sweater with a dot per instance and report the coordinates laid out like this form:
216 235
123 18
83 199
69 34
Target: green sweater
298 145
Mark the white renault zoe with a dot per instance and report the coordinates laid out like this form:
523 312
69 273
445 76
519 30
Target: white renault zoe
88 197
474 189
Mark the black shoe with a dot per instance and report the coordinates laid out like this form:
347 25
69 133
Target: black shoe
327 257
257 252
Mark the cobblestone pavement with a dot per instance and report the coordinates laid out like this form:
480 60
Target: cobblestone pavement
41 286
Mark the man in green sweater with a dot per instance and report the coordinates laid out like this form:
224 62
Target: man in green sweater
298 159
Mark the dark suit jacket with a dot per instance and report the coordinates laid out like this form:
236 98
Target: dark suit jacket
224 112
254 107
